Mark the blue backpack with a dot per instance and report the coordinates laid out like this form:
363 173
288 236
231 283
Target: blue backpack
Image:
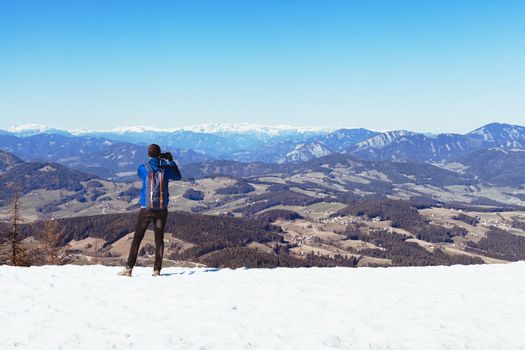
156 194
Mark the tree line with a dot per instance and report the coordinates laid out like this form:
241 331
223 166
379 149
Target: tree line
402 214
403 253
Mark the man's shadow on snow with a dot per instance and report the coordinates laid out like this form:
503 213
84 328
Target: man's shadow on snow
189 273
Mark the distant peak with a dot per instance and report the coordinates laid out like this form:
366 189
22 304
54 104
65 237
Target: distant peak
212 128
29 127
134 129
494 126
258 128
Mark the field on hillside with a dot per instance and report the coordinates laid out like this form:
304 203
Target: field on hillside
331 211
379 232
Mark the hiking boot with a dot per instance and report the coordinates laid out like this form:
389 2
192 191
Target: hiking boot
156 273
126 272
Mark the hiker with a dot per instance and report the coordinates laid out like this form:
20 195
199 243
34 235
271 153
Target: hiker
155 174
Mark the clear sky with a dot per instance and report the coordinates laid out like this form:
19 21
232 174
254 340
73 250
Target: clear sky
419 65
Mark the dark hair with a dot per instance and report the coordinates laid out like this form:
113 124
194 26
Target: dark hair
154 151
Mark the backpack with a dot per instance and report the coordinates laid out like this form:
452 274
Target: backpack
156 189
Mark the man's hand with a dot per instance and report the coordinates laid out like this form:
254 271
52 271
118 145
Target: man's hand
167 156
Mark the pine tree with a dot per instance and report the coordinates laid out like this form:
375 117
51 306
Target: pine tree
50 238
96 252
17 252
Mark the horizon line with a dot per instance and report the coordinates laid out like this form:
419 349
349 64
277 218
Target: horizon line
37 128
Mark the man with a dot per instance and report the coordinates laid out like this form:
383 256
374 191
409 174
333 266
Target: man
155 175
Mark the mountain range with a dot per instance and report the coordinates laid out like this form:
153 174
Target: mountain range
115 154
278 197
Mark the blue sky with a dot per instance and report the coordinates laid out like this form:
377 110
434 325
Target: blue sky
420 65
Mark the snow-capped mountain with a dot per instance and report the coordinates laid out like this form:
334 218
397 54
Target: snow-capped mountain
304 152
251 142
217 140
216 145
34 129
262 131
341 139
384 139
247 128
407 145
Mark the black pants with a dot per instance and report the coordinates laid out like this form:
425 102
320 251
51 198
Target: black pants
158 217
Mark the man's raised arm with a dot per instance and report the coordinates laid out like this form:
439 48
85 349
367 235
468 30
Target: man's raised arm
172 170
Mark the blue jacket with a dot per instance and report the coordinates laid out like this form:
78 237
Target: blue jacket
171 170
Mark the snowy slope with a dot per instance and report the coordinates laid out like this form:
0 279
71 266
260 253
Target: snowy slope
71 307
305 152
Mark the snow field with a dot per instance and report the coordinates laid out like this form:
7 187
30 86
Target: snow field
89 307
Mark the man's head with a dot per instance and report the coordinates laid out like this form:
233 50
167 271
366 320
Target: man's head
154 151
